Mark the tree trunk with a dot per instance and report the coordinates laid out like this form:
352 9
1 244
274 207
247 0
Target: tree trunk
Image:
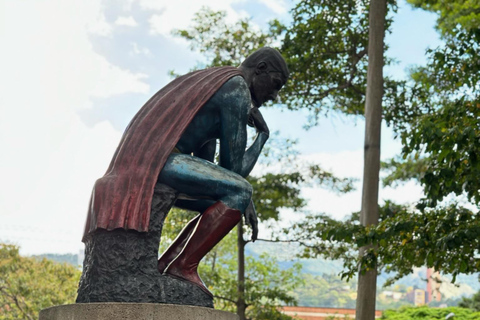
241 306
367 282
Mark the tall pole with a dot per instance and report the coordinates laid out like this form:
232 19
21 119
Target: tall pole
367 282
241 306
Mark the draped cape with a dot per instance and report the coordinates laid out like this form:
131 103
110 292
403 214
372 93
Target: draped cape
122 198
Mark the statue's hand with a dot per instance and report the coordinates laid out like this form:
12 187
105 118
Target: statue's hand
251 220
255 119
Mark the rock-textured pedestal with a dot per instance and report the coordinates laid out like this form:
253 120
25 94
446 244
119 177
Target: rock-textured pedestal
132 311
121 265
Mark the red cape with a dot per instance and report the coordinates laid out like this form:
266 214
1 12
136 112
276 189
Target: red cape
122 198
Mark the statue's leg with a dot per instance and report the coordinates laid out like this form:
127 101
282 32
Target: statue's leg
214 224
177 245
197 178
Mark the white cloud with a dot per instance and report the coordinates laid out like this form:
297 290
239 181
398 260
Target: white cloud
345 164
126 21
50 159
277 6
180 16
349 164
136 49
100 26
111 80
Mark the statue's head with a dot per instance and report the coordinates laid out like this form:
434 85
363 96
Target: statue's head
266 72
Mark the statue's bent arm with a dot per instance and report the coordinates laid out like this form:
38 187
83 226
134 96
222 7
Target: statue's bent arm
233 132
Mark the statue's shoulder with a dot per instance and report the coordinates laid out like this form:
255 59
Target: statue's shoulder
235 88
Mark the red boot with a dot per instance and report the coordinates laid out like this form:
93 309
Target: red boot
177 245
214 224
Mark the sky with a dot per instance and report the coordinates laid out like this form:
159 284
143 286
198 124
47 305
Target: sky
73 74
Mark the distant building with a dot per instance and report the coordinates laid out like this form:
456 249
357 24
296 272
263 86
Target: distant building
313 313
416 296
433 285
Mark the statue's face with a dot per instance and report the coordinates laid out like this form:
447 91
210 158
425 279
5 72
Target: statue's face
265 86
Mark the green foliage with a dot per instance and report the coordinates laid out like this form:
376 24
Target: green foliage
28 285
326 50
326 291
445 238
272 192
266 286
471 303
438 127
424 312
440 122
452 14
224 44
402 170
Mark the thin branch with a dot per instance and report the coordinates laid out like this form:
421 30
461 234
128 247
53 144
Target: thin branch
17 303
226 299
289 241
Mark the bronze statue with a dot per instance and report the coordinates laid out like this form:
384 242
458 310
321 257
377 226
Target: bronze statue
168 148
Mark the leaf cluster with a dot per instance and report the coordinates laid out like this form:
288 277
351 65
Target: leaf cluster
224 44
444 238
403 170
471 303
424 312
28 285
326 48
327 290
452 14
275 191
439 124
267 286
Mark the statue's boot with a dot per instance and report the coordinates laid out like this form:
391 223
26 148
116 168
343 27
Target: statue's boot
214 224
177 245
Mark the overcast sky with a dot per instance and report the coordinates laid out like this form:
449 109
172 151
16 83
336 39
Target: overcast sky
73 74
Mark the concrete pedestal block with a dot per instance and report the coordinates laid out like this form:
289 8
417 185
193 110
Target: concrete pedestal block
133 311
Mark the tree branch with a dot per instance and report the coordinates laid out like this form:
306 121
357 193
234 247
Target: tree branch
226 299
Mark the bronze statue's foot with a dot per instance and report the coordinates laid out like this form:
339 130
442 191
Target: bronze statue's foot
161 266
190 276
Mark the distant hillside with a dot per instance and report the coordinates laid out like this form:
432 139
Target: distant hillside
322 276
69 258
465 285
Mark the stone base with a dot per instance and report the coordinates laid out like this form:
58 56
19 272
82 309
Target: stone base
132 311
121 265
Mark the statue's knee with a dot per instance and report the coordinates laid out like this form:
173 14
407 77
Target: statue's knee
239 195
245 195
248 190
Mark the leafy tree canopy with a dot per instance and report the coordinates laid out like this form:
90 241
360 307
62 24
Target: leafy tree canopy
222 43
471 303
424 313
444 238
439 123
452 14
28 285
326 48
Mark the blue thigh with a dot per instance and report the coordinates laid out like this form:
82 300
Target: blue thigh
197 178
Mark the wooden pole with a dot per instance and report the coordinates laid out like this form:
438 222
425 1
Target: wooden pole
367 282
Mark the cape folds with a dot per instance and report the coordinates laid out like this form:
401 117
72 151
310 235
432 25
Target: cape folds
122 198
